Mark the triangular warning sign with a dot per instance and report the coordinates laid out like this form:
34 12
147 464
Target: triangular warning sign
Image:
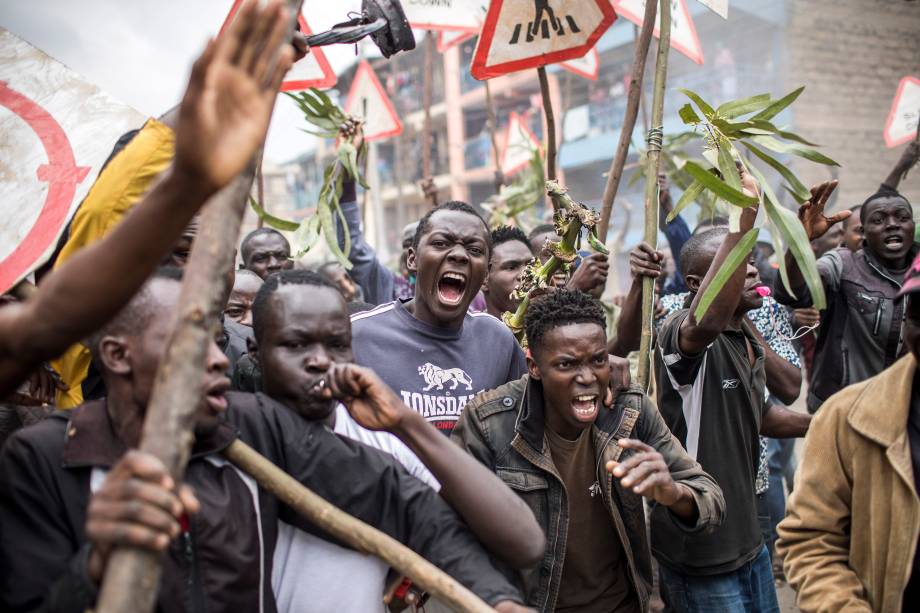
905 113
520 143
452 38
587 66
683 32
518 35
367 99
312 71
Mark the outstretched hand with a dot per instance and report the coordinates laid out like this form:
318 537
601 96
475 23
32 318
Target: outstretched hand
226 109
811 214
644 261
368 399
646 473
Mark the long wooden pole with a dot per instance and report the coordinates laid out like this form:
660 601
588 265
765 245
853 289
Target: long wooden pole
428 187
132 575
651 186
354 532
492 125
632 111
550 125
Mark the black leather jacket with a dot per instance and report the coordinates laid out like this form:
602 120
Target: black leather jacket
503 429
223 562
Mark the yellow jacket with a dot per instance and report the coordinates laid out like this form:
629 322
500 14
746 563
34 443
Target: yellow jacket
850 533
119 186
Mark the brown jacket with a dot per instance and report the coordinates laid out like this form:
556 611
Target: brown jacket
851 529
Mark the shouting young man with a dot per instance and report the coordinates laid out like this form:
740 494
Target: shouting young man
303 344
70 491
861 331
711 376
430 350
550 437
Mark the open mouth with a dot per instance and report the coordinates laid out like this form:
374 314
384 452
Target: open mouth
451 287
585 407
894 242
215 397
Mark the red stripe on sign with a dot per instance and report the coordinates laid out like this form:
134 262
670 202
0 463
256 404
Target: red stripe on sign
62 175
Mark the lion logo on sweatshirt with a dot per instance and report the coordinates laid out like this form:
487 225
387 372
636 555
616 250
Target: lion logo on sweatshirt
436 377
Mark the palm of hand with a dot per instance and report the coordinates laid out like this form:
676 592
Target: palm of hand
231 119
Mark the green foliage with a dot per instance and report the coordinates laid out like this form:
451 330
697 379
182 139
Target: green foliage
329 121
521 196
724 129
737 256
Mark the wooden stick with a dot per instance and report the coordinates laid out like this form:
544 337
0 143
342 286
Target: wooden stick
260 191
493 136
651 186
132 575
354 532
629 120
427 180
550 125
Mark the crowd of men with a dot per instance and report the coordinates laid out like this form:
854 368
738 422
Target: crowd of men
538 476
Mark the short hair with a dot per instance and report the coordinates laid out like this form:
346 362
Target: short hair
245 251
135 315
543 228
560 308
273 282
504 234
883 192
693 248
424 224
716 221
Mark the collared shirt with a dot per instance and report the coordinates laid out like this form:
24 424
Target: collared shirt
714 404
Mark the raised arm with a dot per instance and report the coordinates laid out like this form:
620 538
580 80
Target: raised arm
498 518
676 231
695 335
643 262
222 121
907 161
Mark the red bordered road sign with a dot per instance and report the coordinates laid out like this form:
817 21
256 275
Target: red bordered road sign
904 115
367 99
521 34
588 66
311 71
520 143
683 32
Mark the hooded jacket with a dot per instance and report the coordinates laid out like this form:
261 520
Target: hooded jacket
860 333
504 430
223 560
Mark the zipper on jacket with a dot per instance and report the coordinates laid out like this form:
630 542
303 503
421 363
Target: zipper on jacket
188 555
196 598
878 318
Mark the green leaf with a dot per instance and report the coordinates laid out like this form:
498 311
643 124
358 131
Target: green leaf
305 237
778 106
793 235
690 195
779 246
736 257
706 109
797 189
736 108
779 147
271 220
727 164
688 115
720 189
793 136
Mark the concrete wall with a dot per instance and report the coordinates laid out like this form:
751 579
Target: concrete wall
850 55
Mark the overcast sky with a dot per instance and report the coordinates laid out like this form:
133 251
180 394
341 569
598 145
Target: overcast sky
141 51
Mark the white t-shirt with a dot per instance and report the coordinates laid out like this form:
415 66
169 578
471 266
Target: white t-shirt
311 575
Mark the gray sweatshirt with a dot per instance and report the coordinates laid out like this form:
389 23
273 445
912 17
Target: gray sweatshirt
435 370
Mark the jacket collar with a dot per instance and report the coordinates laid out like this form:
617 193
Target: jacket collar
884 422
92 441
876 264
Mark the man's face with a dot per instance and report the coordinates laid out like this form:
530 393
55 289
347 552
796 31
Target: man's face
750 299
305 332
889 229
571 362
147 348
178 257
268 254
852 232
450 264
505 267
239 306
